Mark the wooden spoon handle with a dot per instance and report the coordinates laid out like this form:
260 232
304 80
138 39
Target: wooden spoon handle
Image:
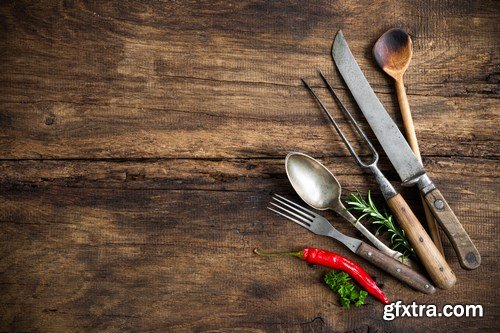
407 119
467 253
412 141
426 250
395 268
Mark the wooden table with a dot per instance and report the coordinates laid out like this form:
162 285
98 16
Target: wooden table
140 142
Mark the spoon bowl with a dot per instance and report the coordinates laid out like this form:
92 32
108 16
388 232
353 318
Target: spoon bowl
312 181
393 52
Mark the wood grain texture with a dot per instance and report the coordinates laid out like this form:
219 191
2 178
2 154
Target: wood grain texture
465 249
430 257
140 140
400 271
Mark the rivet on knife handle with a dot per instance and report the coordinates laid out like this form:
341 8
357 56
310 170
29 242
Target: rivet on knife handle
426 250
395 268
467 253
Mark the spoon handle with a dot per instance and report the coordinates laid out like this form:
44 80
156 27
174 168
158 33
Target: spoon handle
395 268
378 244
411 136
342 211
433 261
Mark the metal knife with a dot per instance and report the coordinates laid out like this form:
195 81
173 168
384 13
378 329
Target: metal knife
410 170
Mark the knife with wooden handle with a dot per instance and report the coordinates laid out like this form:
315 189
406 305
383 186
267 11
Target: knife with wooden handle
398 151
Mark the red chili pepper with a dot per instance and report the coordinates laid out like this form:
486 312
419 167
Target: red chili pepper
336 261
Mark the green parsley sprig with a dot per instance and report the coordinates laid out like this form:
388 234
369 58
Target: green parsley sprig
340 283
383 221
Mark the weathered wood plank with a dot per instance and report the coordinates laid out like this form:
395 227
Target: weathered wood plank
139 143
78 80
207 120
97 257
139 259
225 174
98 43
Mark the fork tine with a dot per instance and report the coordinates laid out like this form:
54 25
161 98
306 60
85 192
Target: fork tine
288 211
349 115
303 210
337 128
302 224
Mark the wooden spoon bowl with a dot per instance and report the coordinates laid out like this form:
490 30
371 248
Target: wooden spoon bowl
393 51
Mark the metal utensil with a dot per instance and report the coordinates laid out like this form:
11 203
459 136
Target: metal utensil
426 250
392 52
320 226
319 188
410 170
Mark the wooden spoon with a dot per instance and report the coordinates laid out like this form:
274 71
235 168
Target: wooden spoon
393 51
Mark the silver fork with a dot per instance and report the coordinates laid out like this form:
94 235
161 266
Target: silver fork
311 221
321 226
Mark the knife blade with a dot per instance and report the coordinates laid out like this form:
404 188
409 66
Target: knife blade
386 131
409 169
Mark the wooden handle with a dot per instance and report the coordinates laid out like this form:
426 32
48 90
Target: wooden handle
432 226
412 141
396 268
467 253
427 252
406 115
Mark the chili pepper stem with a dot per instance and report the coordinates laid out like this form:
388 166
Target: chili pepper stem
297 254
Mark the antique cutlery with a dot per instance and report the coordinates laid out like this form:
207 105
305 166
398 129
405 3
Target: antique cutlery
426 250
319 188
320 226
393 51
410 170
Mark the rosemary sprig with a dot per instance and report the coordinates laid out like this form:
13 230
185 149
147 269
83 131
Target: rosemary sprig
383 221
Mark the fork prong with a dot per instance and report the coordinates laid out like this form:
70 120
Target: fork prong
349 115
290 212
303 210
302 224
337 128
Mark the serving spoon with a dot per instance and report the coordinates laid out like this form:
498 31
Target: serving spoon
393 52
319 188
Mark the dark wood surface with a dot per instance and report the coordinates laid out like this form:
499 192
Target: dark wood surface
140 142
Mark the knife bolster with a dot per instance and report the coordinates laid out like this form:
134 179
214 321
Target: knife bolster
425 184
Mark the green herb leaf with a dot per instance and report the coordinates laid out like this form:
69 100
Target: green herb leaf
361 298
383 221
340 283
